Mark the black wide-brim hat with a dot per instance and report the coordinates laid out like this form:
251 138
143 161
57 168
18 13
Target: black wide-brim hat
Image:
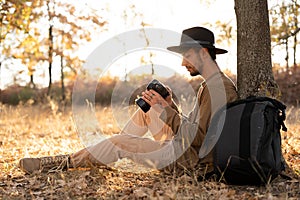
196 37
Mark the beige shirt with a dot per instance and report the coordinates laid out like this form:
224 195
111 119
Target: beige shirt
214 92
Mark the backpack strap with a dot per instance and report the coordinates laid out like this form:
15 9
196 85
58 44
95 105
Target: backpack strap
285 176
282 115
244 150
277 104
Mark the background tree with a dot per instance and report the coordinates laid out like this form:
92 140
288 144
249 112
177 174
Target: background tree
254 66
28 51
69 26
284 27
47 32
14 23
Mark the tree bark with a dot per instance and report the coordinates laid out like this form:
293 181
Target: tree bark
31 83
254 65
0 70
287 55
0 80
295 9
63 95
50 52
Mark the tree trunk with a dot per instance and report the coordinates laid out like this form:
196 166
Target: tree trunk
254 65
287 55
295 9
0 70
31 83
62 78
295 50
50 52
0 80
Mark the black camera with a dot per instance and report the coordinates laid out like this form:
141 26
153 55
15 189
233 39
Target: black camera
156 86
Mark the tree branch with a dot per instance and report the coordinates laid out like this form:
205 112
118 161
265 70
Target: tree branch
289 35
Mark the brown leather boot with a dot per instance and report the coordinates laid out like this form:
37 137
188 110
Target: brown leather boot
45 164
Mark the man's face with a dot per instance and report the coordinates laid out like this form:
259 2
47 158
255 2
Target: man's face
193 62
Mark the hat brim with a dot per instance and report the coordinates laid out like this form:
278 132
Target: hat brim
182 49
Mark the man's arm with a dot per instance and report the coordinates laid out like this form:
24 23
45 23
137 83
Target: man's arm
170 116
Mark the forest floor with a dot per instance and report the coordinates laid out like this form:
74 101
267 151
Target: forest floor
42 130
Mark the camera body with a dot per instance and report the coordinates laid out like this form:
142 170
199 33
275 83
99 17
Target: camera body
156 86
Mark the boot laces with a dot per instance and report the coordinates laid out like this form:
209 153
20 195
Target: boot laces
55 160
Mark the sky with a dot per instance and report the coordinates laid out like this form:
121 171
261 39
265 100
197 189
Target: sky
173 15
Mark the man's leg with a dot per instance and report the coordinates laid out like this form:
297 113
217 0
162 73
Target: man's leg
158 128
141 150
111 150
121 145
141 122
137 124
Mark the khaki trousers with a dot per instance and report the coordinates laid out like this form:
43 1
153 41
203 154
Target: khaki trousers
157 152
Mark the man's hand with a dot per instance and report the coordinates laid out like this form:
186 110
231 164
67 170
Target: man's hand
155 100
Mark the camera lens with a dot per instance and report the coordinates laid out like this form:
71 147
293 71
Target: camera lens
142 104
156 86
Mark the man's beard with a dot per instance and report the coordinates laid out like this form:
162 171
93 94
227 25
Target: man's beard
197 72
199 68
194 73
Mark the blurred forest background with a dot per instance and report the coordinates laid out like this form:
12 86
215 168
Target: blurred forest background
41 42
67 26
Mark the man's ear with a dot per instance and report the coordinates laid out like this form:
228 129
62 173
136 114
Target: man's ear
204 53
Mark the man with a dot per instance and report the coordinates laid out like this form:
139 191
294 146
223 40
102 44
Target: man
177 138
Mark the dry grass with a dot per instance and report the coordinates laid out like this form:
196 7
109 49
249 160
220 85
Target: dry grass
43 130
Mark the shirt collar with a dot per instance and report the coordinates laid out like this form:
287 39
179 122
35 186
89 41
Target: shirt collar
212 78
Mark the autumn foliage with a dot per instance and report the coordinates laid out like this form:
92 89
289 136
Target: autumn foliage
47 129
110 89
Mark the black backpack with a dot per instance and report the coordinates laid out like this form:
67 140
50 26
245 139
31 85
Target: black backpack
247 139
